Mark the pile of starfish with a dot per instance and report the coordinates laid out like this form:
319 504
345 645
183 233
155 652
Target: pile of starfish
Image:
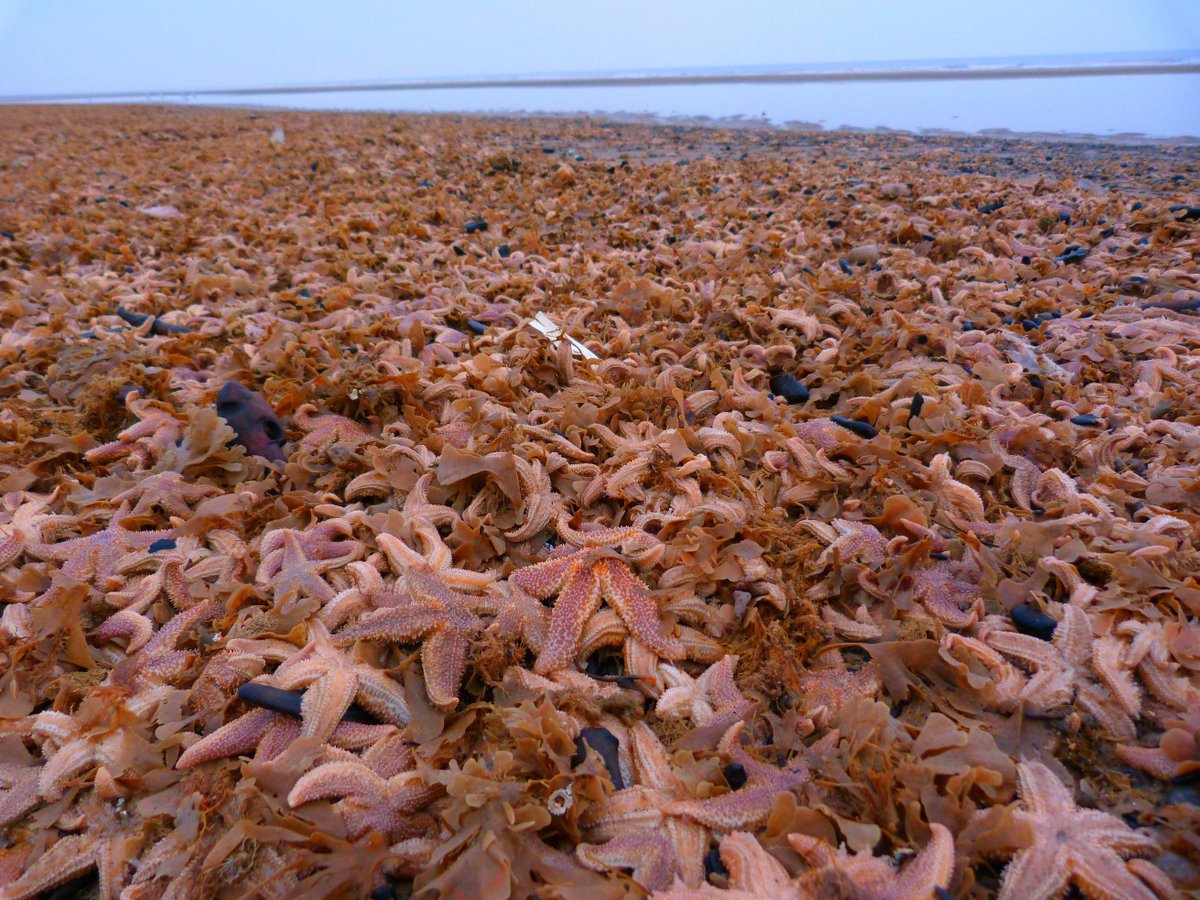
850 560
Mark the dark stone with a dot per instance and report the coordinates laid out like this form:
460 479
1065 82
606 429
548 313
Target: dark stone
605 743
424 184
1032 621
915 407
939 555
547 149
289 702
9 235
1026 260
845 267
1036 381
1029 324
304 292
862 429
1087 420
476 326
1073 254
476 226
1190 213
1136 206
253 421
735 775
786 386
162 544
458 251
713 864
313 167
158 327
384 892
991 207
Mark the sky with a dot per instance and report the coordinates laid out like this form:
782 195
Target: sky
75 45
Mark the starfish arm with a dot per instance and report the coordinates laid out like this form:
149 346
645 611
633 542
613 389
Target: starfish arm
1042 792
239 736
1034 874
575 604
648 853
325 702
628 595
67 858
338 779
1101 873
544 579
382 696
930 870
443 660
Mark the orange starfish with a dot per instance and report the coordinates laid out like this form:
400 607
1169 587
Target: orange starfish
328 430
583 578
96 555
749 805
1084 846
144 441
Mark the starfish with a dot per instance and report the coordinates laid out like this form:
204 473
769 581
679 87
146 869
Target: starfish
328 430
1084 846
712 696
96 555
168 491
18 791
823 689
637 812
321 543
159 661
1061 669
107 844
648 854
143 442
444 629
372 797
749 805
1178 750
1004 683
949 589
269 734
755 873
333 682
291 573
581 579
431 610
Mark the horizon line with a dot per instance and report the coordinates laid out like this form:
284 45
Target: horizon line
985 72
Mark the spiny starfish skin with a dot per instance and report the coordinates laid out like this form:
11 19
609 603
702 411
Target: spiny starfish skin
749 805
96 555
581 581
1071 845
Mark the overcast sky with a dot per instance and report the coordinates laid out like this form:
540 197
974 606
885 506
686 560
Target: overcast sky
83 45
71 45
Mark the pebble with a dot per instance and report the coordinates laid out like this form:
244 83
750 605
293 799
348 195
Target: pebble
476 326
915 407
504 251
476 226
1087 420
786 386
1073 254
606 744
735 775
991 207
1032 621
253 421
162 544
1190 213
713 864
862 429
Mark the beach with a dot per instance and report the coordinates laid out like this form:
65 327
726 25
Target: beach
458 505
